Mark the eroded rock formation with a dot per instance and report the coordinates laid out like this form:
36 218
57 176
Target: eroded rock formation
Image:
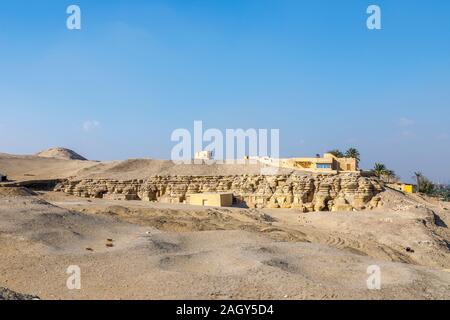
342 192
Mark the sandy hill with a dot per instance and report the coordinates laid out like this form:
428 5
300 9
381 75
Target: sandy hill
142 168
21 168
60 153
57 163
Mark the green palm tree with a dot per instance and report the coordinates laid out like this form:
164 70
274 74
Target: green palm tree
353 153
379 169
389 175
337 153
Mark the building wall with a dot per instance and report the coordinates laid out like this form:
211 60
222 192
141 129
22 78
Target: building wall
408 188
347 164
327 164
309 164
211 199
342 164
203 155
403 187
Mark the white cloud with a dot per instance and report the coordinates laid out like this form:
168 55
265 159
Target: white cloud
90 125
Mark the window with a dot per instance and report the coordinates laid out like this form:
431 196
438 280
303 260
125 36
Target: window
324 166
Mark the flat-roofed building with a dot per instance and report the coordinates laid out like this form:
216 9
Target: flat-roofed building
204 155
327 163
207 199
403 187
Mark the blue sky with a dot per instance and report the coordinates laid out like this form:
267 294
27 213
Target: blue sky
140 69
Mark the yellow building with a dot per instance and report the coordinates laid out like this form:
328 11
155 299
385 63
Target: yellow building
408 188
328 164
211 199
403 187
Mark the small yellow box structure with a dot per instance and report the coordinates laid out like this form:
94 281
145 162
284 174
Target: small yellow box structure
211 199
403 187
408 188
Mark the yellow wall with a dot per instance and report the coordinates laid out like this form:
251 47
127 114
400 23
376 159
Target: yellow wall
343 164
211 199
408 188
310 164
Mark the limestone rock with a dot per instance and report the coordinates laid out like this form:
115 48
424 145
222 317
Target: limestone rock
341 192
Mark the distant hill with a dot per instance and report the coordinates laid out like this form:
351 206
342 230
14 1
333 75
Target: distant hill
60 153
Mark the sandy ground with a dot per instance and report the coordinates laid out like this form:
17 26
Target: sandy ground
144 250
165 251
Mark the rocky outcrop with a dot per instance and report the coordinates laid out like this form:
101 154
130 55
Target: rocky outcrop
308 193
6 294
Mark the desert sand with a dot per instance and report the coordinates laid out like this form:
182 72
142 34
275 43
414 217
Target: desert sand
149 250
35 167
